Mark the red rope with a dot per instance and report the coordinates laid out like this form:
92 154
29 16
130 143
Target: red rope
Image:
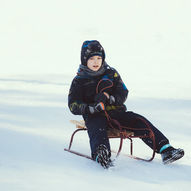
113 122
97 90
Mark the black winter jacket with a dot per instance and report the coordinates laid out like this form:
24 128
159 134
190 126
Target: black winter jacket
84 88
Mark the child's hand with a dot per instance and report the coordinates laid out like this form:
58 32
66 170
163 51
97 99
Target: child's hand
97 108
105 98
111 99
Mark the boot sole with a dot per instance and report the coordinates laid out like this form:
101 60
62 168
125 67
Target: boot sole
175 157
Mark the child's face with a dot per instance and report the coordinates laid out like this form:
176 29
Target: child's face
94 63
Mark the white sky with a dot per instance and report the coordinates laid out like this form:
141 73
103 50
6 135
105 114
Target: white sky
145 40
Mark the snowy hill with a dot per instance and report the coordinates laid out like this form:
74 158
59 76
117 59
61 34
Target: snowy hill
35 129
148 42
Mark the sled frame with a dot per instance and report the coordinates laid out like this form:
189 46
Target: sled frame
112 133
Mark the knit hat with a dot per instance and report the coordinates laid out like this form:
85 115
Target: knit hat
91 48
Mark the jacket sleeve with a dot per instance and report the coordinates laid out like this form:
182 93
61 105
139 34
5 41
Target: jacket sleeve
120 91
75 99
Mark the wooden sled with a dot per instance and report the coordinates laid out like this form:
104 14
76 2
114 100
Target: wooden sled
112 133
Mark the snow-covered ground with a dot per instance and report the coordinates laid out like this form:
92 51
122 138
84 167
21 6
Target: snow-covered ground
148 42
35 129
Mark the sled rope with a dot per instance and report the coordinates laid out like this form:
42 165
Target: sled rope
113 123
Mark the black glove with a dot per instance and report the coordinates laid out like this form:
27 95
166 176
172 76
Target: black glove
100 97
111 99
96 108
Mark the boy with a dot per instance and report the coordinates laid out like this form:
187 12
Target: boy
98 88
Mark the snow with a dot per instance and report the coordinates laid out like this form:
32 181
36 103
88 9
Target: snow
148 42
35 129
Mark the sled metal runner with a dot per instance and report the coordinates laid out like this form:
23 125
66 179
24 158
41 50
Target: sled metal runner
112 133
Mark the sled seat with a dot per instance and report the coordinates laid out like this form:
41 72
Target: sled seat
112 133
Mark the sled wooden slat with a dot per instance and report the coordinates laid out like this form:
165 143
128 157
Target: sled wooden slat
112 133
79 124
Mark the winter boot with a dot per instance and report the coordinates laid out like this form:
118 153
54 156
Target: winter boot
171 154
102 156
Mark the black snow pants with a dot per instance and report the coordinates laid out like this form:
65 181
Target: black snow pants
97 126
